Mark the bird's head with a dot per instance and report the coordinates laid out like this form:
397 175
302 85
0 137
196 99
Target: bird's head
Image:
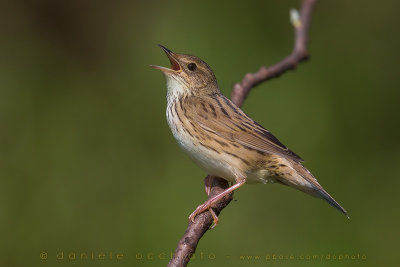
188 75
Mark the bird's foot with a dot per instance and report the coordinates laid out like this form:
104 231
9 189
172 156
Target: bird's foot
207 205
202 208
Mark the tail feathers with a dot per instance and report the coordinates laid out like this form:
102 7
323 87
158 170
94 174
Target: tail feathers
317 189
324 195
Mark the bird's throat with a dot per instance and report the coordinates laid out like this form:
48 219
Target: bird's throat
176 89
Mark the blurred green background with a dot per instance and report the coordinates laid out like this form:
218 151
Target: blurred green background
88 163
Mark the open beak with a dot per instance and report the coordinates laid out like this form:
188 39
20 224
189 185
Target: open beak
175 67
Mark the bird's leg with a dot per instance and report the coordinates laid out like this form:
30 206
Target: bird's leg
207 184
208 181
207 187
215 218
207 205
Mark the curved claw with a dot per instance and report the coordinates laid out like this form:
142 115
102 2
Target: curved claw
215 218
197 211
201 209
207 184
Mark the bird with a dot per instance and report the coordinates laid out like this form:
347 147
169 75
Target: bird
224 141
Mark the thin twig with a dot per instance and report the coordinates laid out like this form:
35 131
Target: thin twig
299 53
188 243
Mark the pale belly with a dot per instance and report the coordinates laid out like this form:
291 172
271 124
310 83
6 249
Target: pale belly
218 164
213 163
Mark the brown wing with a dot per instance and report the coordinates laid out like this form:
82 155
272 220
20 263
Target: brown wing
228 121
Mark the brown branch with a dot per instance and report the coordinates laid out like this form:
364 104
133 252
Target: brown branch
299 53
188 243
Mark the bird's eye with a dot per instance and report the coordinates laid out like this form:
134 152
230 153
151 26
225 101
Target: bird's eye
192 66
